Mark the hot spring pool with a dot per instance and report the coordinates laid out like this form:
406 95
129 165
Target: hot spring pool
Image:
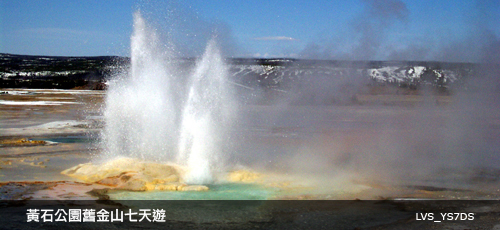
68 139
223 191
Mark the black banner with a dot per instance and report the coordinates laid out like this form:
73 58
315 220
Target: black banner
238 214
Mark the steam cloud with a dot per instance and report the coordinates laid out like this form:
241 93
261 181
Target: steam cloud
372 25
419 143
369 30
367 37
445 146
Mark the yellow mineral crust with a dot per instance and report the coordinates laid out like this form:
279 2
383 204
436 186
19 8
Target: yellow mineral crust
134 175
21 142
244 176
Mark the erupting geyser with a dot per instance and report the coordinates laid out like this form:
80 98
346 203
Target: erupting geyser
206 116
153 113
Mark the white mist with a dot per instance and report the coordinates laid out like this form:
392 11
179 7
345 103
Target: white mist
152 113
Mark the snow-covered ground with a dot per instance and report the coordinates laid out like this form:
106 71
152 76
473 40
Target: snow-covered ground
385 73
413 74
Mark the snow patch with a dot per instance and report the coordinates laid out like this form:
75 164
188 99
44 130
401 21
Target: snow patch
52 91
4 102
59 124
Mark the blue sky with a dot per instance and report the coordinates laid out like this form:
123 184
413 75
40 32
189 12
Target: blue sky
358 29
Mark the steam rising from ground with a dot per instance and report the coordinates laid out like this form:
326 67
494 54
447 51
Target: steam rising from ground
449 145
154 113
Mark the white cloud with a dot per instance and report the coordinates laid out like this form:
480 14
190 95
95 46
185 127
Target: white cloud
276 38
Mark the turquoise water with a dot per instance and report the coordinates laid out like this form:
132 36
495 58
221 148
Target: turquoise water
224 191
68 139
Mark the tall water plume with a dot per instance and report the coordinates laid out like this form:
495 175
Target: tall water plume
152 113
206 117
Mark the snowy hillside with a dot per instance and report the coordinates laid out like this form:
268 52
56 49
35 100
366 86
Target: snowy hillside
68 72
